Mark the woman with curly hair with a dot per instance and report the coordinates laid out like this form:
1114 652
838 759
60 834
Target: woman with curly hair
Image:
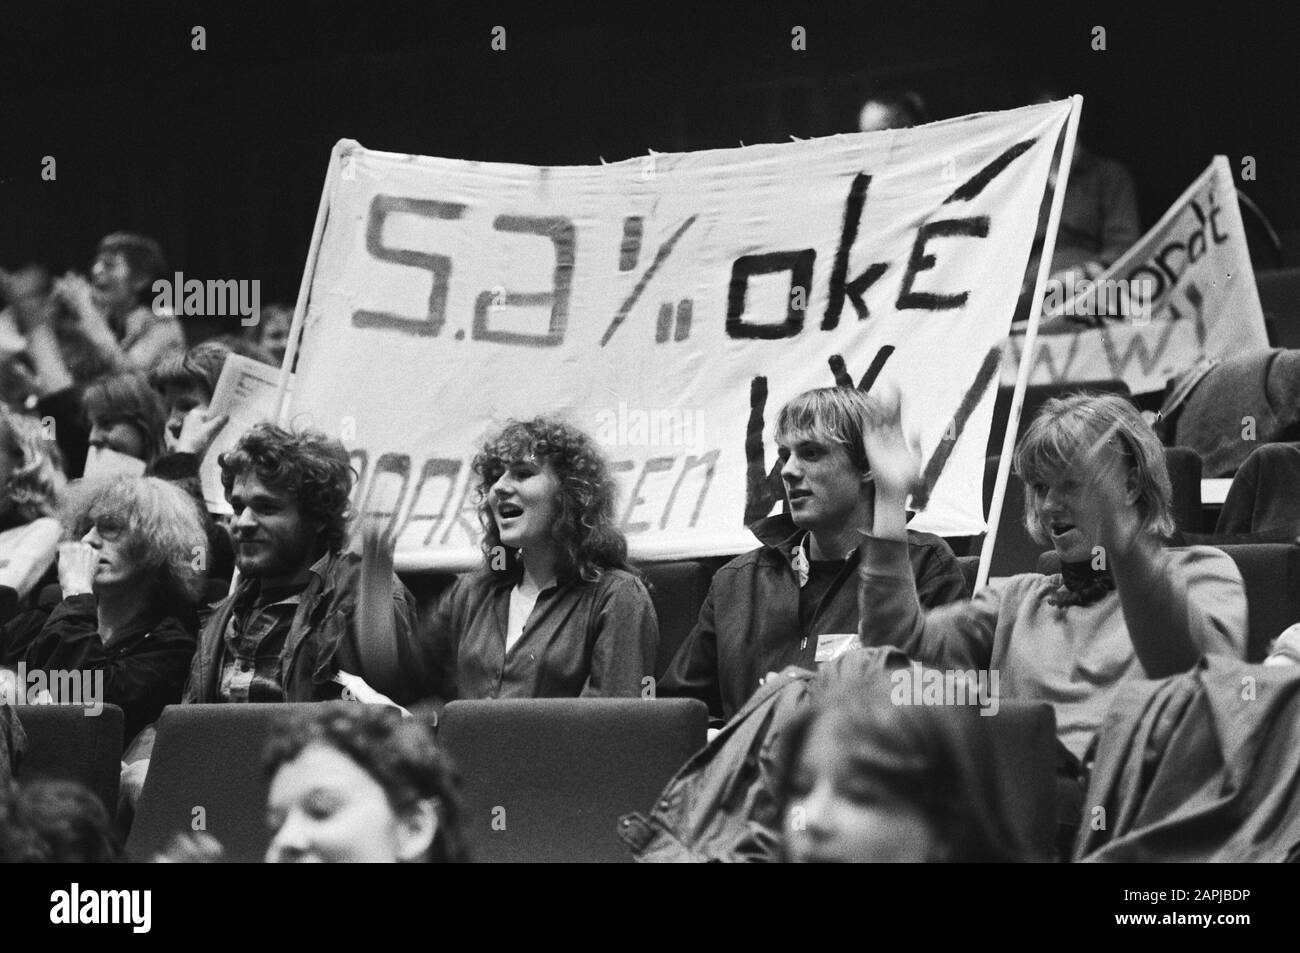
129 578
555 611
355 783
30 487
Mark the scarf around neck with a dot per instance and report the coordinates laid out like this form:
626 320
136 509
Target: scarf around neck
1082 585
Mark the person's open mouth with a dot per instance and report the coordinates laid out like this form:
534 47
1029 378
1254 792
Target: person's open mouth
509 511
1060 528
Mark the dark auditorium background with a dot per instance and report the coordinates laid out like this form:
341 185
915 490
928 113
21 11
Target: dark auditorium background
220 154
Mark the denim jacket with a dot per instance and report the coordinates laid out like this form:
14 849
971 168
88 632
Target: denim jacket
319 642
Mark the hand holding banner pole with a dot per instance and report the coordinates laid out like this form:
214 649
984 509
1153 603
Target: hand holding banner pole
1031 339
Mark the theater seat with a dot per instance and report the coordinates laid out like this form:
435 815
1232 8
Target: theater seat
1023 740
1184 466
547 779
207 767
66 744
1271 574
1279 297
970 567
677 590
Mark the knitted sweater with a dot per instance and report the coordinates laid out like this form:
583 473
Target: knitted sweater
1073 657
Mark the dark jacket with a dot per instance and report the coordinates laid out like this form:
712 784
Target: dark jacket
144 669
722 805
1198 767
749 624
320 640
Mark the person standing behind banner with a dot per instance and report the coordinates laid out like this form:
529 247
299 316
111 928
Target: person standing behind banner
892 109
1099 215
556 611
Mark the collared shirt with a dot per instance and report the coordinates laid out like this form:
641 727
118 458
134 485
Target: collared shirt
581 639
253 639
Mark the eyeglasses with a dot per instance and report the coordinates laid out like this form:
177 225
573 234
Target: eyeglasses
109 529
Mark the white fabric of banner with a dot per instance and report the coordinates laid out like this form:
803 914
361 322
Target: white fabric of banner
1201 300
667 305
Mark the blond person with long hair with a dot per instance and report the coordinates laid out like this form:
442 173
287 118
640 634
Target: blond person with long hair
1125 606
130 573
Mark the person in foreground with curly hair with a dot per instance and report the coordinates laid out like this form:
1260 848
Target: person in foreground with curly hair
360 784
129 583
556 610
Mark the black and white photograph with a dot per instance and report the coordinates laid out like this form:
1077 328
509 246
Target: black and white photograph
654 433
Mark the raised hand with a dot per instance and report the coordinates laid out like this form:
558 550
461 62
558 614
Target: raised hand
77 563
895 466
199 429
1105 506
75 291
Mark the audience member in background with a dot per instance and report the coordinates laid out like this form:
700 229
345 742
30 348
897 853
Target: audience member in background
1099 218
1124 606
22 290
556 610
271 332
864 780
186 381
892 109
37 377
126 420
67 823
354 783
129 582
780 605
31 484
113 321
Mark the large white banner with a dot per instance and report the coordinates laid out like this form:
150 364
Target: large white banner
1185 291
669 305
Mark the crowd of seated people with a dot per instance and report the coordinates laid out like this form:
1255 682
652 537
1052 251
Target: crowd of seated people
111 564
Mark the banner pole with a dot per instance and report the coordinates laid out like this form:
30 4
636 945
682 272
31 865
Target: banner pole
1031 339
304 287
